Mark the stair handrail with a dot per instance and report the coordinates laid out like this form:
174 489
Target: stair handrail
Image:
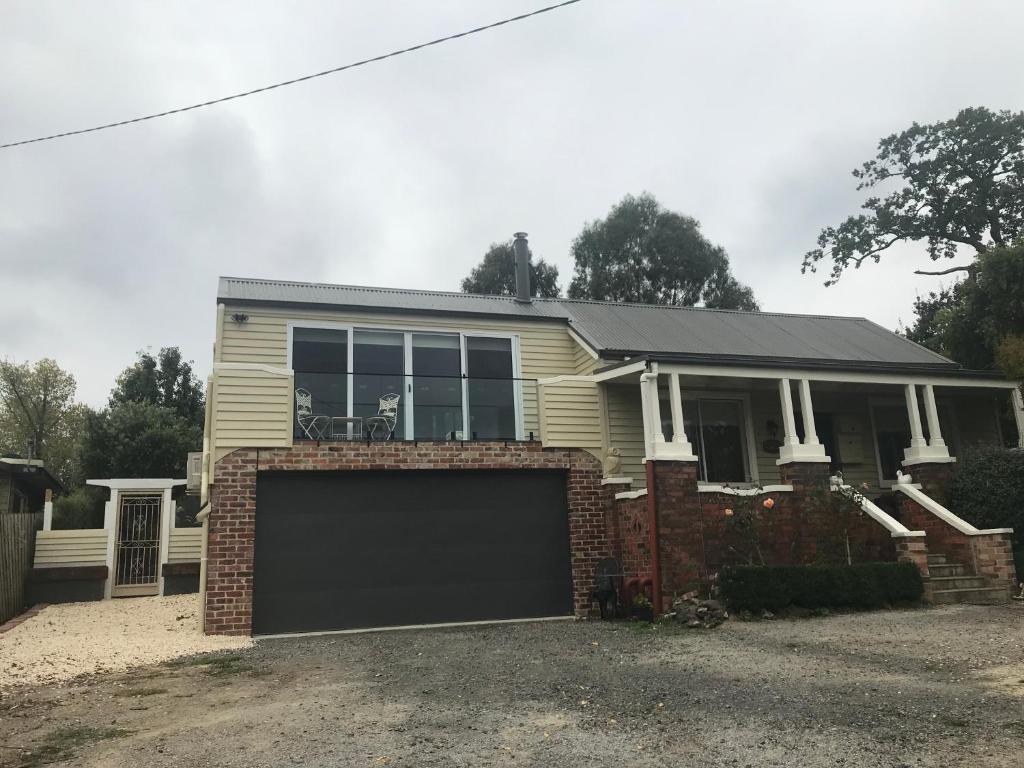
896 529
905 485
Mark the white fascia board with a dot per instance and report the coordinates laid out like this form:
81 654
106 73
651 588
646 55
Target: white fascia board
848 377
623 370
137 484
586 346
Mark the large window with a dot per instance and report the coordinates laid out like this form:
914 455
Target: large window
378 366
436 385
320 362
717 430
492 400
450 385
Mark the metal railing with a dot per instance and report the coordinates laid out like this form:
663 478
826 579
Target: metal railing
345 406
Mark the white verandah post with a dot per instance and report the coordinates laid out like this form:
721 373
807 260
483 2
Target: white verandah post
811 450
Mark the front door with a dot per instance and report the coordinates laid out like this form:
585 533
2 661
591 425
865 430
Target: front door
137 550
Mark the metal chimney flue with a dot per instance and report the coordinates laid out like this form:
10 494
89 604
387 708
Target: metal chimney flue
522 254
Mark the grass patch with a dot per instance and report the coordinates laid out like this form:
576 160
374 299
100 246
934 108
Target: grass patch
217 666
61 744
141 692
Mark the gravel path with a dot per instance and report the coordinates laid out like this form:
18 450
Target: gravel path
932 687
71 639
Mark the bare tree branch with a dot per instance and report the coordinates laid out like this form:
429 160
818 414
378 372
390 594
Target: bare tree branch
949 271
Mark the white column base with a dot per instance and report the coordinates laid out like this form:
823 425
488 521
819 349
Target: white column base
666 451
803 454
926 454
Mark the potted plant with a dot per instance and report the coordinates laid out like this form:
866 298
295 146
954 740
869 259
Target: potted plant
643 609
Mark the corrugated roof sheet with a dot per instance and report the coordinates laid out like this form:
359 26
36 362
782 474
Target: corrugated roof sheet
629 328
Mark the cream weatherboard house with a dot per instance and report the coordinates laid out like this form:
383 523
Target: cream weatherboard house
376 456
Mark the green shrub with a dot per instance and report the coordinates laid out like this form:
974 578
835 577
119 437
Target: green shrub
82 508
861 585
988 489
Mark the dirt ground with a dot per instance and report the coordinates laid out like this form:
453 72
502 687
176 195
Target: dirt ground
931 687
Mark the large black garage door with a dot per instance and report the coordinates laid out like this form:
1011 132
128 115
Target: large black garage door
354 549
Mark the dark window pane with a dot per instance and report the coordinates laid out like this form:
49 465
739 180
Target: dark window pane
722 438
437 386
320 362
492 413
378 361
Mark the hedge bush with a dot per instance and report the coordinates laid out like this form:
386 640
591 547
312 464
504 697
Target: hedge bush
861 585
988 492
988 489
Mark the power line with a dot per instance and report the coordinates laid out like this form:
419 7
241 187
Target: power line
302 79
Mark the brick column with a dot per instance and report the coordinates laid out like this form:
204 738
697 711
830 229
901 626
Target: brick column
913 549
935 479
232 536
680 538
993 559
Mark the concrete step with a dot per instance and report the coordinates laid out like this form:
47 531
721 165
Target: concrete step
936 559
948 569
982 596
957 582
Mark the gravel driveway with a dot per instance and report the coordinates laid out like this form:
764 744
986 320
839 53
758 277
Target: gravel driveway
63 641
934 687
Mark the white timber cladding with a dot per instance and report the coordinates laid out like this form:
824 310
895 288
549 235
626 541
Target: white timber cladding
71 548
570 415
254 406
185 545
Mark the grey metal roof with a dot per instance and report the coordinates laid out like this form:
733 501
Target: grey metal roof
245 290
617 329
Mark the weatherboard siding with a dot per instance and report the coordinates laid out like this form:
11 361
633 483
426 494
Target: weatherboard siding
571 415
68 548
185 545
254 407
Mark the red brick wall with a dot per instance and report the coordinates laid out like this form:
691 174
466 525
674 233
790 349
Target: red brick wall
229 581
935 479
697 536
632 548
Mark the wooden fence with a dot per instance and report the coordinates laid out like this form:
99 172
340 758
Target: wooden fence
17 546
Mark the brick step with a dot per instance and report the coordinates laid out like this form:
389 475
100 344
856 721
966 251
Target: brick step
957 582
936 560
948 569
982 596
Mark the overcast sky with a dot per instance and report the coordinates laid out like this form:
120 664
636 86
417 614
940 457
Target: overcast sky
747 115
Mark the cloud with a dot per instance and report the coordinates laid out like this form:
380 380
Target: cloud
745 115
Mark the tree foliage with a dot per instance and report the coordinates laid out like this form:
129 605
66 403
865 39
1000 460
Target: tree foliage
961 185
496 274
138 439
38 413
153 419
167 381
642 252
979 321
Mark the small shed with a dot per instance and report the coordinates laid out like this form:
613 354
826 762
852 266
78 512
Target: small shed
145 547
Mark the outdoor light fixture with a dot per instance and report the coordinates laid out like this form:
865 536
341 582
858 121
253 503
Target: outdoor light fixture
238 317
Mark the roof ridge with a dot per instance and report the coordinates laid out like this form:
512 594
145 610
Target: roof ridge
374 288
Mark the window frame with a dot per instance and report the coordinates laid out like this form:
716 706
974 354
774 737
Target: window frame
747 417
952 440
408 376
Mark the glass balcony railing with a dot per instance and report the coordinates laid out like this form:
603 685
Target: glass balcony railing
375 406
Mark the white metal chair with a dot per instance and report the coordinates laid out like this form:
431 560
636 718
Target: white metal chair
387 416
313 424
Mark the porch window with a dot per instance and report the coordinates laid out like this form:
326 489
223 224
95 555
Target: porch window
320 362
717 429
892 436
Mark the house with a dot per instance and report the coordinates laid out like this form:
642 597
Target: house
25 485
376 456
